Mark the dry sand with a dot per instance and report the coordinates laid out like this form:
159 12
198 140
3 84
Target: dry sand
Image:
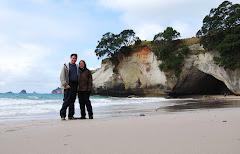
207 131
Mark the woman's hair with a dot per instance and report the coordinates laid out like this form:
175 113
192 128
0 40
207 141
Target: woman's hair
85 66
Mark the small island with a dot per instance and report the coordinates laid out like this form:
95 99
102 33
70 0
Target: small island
23 92
57 91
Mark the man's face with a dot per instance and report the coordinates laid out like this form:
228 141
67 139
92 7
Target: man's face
81 64
73 59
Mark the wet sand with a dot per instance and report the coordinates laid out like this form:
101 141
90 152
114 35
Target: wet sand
205 129
203 103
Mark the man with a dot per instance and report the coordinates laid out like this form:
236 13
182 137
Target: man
69 82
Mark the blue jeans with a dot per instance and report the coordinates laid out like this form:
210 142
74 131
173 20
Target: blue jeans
69 100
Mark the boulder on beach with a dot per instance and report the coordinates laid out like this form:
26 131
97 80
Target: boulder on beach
132 96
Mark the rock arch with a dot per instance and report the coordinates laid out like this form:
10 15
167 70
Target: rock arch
200 75
197 82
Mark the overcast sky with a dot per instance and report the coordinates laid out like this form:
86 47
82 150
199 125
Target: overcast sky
38 36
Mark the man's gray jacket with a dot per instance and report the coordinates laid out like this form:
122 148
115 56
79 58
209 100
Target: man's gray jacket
64 76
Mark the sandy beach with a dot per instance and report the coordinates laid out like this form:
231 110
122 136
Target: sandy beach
204 131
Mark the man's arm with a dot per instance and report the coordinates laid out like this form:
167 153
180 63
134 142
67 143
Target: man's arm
63 78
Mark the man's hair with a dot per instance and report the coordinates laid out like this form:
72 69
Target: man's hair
73 55
85 65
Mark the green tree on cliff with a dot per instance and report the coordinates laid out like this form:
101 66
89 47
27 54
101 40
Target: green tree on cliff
111 44
169 50
168 35
221 32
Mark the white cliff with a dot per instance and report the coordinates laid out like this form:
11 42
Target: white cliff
102 75
139 74
230 78
140 70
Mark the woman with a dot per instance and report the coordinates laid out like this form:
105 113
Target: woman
84 89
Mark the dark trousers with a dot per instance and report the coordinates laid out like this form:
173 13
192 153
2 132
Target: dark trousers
69 100
83 97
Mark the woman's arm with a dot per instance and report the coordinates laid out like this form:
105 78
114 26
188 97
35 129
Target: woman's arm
90 81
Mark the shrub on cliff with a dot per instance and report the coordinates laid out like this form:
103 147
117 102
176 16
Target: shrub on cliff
221 32
170 51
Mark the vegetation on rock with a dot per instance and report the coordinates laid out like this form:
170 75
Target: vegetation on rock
221 32
111 44
170 51
114 45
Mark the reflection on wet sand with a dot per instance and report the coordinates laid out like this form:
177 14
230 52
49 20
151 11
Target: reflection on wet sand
198 104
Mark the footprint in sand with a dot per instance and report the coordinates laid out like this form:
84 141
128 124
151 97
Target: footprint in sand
12 130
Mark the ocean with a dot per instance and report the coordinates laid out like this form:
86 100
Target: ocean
47 106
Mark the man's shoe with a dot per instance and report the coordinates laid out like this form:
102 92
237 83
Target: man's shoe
71 118
90 117
83 118
63 119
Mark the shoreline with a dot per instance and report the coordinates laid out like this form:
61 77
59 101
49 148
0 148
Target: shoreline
181 104
204 131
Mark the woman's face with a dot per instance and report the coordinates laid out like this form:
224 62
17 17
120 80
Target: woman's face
81 64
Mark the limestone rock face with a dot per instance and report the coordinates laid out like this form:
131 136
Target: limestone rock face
102 75
139 74
105 82
140 70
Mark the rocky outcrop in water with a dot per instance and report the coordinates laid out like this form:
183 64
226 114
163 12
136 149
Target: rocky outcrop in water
57 91
139 74
23 92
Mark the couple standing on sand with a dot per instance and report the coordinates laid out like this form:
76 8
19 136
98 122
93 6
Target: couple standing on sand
76 80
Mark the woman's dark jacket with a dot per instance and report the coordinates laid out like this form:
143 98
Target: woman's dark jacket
84 80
